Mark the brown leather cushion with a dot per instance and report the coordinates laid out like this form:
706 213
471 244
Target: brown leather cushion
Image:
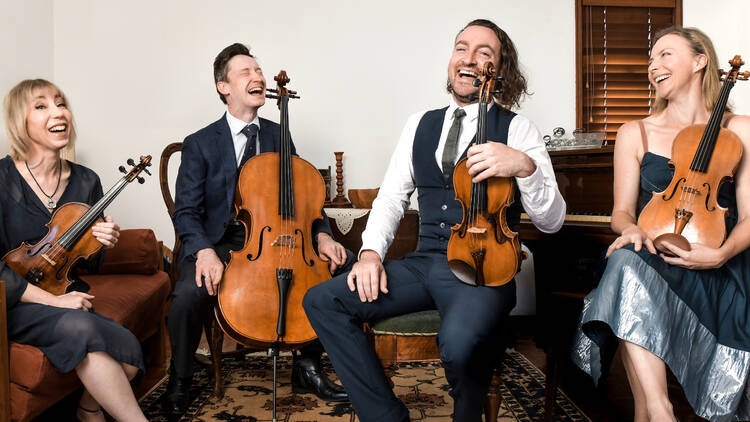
136 252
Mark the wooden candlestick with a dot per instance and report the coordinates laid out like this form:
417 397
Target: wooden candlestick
340 200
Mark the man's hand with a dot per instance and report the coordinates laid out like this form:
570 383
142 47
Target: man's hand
368 276
208 269
73 300
331 251
493 159
106 232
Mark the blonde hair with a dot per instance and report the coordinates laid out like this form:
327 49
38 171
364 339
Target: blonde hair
699 44
15 109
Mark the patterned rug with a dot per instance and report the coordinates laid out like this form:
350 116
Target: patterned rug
420 385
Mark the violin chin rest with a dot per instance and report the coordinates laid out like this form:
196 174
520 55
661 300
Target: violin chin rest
674 240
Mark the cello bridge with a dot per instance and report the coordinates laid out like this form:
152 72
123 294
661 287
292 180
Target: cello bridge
285 240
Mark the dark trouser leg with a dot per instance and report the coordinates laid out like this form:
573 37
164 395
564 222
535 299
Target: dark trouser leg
190 305
337 314
315 349
469 337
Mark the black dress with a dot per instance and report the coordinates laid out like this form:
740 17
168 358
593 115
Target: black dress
65 336
696 321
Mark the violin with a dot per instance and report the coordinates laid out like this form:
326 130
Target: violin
703 158
278 197
483 250
47 263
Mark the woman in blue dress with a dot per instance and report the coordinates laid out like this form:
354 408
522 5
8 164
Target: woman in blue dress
34 181
689 312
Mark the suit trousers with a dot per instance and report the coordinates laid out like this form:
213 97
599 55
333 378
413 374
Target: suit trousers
469 339
191 306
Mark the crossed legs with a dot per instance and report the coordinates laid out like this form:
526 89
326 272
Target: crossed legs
107 384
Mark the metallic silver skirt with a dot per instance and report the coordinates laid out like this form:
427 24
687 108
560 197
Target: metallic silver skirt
636 303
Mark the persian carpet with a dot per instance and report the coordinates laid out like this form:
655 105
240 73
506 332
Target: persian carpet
420 385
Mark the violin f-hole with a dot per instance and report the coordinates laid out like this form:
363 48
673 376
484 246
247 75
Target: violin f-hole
676 186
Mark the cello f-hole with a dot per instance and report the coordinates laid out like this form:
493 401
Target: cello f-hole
250 256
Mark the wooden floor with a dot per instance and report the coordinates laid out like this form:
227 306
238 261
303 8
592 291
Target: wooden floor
612 401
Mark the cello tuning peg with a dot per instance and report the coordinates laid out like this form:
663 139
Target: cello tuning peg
293 96
130 162
140 179
274 97
477 82
272 90
122 169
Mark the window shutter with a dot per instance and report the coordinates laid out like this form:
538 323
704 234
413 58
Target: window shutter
614 43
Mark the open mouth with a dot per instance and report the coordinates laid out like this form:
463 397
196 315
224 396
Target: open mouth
467 74
258 90
59 128
661 78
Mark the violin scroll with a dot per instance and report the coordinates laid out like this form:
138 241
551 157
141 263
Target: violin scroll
734 74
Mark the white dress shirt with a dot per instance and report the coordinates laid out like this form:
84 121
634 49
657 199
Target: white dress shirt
238 138
539 194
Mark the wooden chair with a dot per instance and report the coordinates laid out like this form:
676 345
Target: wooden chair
214 334
4 363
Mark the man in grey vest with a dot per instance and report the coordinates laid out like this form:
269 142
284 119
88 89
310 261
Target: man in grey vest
430 145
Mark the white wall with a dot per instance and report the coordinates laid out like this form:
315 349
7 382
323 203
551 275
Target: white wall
139 75
26 46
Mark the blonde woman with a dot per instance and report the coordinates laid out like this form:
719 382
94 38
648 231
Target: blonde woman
688 312
35 181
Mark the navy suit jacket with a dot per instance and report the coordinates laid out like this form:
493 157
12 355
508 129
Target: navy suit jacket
206 183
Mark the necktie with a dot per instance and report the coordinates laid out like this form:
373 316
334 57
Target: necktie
451 143
250 132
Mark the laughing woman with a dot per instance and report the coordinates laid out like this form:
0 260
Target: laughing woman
34 181
689 312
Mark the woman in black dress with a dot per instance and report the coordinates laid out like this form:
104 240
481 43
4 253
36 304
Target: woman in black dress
690 312
35 180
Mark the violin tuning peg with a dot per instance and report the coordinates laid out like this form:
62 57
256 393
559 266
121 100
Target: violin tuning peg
122 169
140 179
147 172
130 162
499 78
477 82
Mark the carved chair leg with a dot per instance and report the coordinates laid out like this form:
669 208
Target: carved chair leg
215 338
492 401
551 375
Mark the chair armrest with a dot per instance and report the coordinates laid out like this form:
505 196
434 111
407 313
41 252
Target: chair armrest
4 364
136 252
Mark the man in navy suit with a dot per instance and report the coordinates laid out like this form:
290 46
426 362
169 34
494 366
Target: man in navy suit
204 221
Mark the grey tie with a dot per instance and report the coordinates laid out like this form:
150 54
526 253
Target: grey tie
451 143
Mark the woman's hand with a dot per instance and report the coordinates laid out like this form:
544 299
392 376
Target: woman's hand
106 232
699 257
73 300
632 234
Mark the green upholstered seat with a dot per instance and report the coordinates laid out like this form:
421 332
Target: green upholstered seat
425 323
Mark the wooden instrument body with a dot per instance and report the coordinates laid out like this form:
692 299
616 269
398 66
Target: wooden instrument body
50 261
499 245
248 298
693 191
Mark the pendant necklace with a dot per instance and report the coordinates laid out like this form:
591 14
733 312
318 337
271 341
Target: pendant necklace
51 203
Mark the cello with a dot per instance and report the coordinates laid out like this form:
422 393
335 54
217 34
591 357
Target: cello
703 158
483 250
47 263
278 197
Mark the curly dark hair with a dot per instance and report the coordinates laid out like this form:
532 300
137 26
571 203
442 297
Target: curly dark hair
221 60
514 81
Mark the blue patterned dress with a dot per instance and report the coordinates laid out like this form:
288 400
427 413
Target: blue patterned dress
696 321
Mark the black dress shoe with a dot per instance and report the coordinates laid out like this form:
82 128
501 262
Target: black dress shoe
177 397
307 378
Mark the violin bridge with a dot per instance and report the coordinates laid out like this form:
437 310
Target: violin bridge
49 260
477 230
285 240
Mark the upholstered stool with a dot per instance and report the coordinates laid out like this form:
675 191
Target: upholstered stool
412 337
